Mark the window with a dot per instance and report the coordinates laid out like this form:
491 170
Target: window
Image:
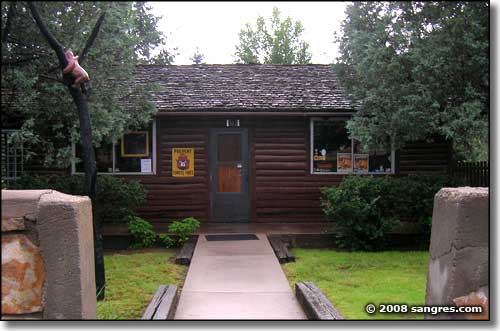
133 153
12 156
332 151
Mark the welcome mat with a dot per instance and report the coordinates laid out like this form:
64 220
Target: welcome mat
227 237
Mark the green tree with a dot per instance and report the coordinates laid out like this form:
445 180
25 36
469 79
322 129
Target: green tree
278 42
418 69
37 97
28 58
198 58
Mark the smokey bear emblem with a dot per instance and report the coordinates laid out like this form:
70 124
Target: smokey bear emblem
183 162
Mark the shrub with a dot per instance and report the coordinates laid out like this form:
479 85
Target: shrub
167 241
355 207
142 232
366 208
183 229
116 199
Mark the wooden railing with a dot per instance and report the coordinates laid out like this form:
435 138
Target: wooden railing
472 173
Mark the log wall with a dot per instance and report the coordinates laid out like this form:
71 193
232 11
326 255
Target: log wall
281 186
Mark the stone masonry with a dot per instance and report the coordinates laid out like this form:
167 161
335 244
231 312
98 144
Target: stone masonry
459 253
47 256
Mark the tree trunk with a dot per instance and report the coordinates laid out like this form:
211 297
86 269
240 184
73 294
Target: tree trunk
90 170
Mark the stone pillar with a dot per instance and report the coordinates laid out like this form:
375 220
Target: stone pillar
47 256
458 262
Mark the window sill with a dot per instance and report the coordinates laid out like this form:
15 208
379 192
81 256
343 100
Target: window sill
120 173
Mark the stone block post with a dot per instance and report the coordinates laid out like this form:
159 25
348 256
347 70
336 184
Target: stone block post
459 254
47 256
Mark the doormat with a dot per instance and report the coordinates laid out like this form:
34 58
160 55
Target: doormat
227 237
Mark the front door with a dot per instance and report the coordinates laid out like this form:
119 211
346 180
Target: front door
229 175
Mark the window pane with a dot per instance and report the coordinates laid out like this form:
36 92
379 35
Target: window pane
371 161
135 144
331 147
135 155
103 156
228 147
380 161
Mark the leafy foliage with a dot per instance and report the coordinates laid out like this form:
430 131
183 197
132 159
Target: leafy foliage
116 199
167 241
355 207
198 58
142 232
418 69
183 229
365 209
40 103
276 42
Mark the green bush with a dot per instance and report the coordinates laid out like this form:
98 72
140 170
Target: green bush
366 208
142 232
116 199
183 229
167 241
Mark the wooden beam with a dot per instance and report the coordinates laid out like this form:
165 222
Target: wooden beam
315 304
186 253
161 306
281 250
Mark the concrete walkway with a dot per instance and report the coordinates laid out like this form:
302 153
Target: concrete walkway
236 280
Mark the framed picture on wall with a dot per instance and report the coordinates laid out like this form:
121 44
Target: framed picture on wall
135 144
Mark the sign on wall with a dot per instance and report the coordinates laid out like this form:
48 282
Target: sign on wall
182 162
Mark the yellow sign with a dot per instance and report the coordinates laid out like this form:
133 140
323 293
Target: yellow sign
182 162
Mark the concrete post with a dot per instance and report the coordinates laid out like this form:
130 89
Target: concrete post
458 262
47 256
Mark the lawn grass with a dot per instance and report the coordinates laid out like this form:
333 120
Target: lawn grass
132 277
351 280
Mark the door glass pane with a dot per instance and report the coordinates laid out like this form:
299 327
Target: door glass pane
229 178
229 163
229 147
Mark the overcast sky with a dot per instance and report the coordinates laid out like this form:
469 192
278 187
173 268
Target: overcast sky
214 26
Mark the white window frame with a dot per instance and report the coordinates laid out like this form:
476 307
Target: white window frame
113 149
311 153
12 160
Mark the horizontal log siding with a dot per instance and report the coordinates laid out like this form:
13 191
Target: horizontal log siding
172 198
432 157
284 189
281 186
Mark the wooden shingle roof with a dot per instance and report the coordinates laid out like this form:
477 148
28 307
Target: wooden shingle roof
245 88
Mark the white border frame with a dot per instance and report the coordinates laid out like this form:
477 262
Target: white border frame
153 159
311 151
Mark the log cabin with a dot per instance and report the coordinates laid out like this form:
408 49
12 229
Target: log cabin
251 144
264 140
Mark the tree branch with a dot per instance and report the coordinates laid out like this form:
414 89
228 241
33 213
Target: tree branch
56 45
91 39
53 79
8 24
